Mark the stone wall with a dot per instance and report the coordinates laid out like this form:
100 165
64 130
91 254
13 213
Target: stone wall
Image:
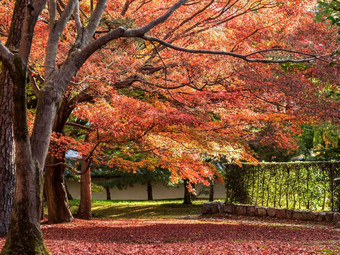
250 210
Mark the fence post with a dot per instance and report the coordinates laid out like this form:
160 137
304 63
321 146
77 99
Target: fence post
331 173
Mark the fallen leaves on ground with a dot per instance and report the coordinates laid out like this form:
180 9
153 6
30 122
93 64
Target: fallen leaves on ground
188 236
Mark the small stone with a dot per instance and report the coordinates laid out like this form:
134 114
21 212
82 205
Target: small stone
281 213
313 216
251 210
321 216
329 216
300 215
215 207
229 208
206 208
220 207
261 211
240 209
271 212
289 213
336 217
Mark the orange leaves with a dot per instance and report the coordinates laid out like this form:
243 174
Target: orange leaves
60 144
144 99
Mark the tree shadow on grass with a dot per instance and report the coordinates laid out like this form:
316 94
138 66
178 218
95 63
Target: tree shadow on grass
145 211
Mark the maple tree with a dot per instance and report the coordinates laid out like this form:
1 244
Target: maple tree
54 174
191 27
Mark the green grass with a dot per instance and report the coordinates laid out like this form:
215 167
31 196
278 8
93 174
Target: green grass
327 251
141 209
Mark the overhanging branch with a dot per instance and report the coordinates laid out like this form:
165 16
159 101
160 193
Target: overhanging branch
79 126
73 170
246 57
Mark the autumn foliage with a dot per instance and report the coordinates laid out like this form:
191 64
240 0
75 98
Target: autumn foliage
167 105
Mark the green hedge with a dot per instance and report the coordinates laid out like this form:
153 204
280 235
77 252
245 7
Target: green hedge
293 185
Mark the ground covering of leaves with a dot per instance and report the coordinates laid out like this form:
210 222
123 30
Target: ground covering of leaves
190 236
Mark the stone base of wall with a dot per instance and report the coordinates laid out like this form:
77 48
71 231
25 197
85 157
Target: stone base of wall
250 210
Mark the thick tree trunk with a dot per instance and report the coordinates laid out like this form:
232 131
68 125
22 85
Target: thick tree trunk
25 235
56 195
7 168
7 165
84 210
187 197
149 190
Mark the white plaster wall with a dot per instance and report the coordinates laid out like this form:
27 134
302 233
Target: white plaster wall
139 192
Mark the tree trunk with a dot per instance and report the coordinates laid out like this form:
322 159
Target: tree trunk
84 210
56 195
211 192
149 190
187 197
69 195
7 167
108 194
56 192
25 236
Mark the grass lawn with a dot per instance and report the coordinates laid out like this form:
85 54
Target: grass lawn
141 209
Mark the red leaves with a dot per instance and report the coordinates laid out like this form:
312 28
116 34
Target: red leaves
187 237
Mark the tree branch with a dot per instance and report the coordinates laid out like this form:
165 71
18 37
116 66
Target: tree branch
56 29
92 151
30 19
79 126
119 32
232 54
79 25
73 170
94 21
52 11
7 57
33 83
141 31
